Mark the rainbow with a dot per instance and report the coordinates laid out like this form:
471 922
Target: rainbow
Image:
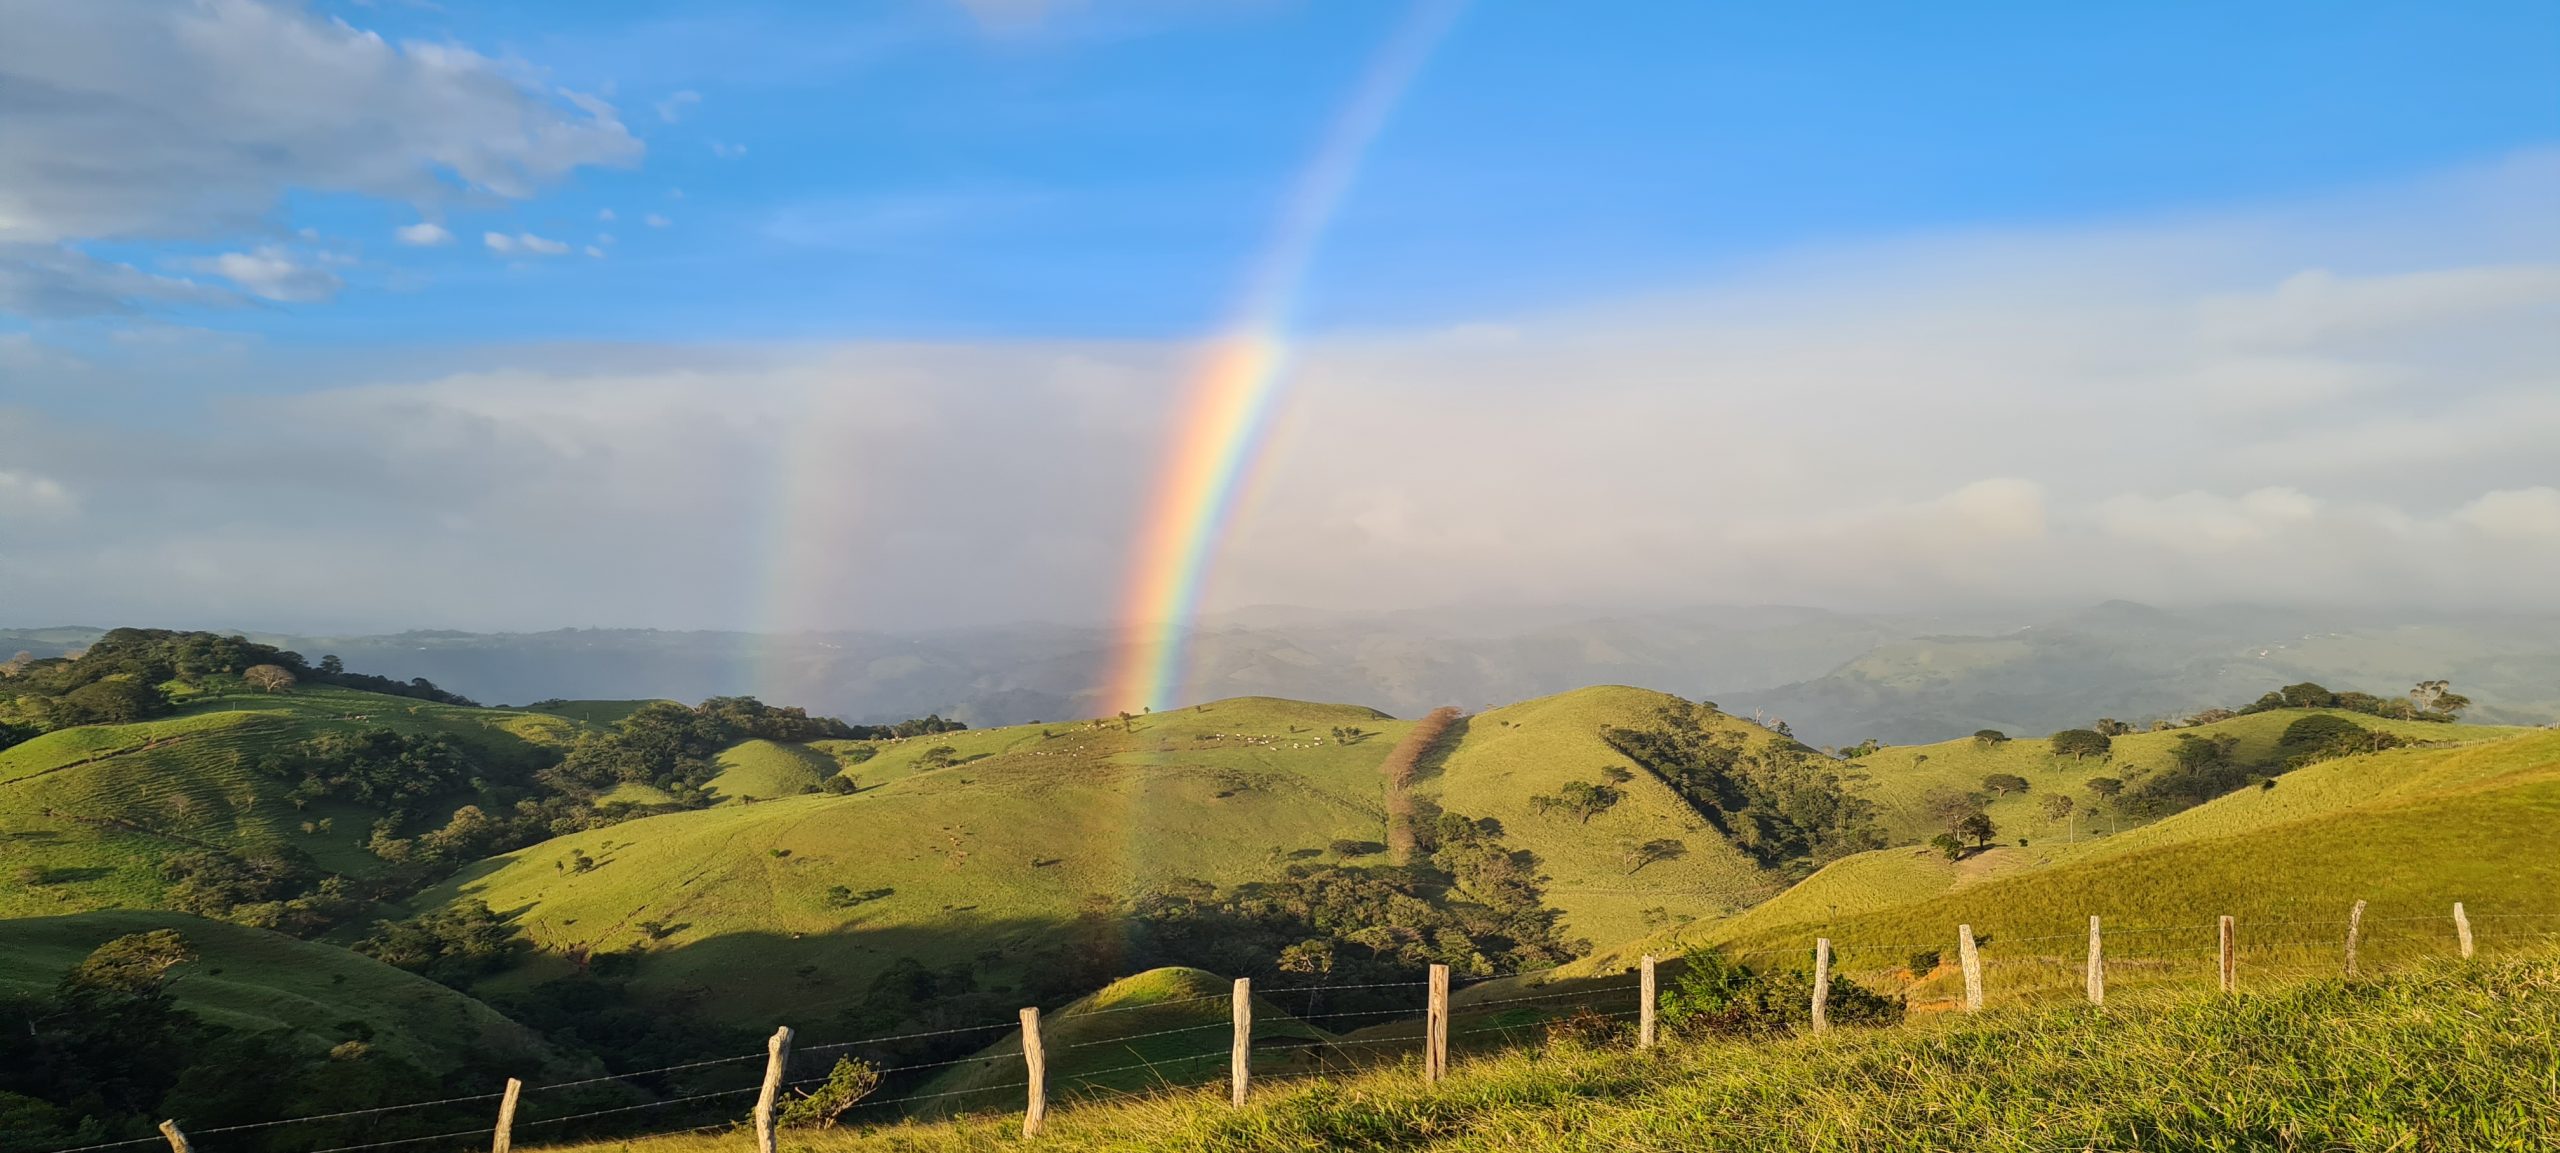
1223 418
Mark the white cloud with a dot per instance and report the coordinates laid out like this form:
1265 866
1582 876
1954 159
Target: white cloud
47 280
2515 514
26 494
423 234
657 221
595 251
275 273
133 120
523 242
604 214
674 107
727 151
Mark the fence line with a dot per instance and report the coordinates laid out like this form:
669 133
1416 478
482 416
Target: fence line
2353 935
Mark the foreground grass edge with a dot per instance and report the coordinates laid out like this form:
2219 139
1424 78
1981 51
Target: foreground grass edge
2445 1055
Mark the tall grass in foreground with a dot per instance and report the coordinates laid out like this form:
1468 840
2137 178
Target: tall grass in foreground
2446 1056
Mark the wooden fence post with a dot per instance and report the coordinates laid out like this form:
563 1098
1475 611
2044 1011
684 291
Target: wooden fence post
1644 1004
177 1140
2097 975
1240 1060
1035 1108
2462 929
2230 956
506 1117
777 1053
1435 1019
1971 958
2355 930
1821 984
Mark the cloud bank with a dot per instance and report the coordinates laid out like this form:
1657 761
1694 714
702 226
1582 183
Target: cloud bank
137 121
2340 401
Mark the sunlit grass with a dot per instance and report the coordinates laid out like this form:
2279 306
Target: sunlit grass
2442 1055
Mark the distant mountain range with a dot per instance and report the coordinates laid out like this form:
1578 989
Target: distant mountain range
1834 677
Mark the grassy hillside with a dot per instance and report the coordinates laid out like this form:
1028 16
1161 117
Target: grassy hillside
259 981
1012 836
766 769
1164 1026
1507 755
2446 1057
2410 830
974 846
87 813
1900 779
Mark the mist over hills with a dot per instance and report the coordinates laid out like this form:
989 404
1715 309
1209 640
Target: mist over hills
1834 677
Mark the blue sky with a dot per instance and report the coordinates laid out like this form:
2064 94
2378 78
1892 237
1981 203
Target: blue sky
805 256
926 170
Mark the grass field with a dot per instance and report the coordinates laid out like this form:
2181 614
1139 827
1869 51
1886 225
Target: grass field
1899 780
1510 754
2444 1056
986 841
258 981
87 813
1140 1031
2410 830
1013 834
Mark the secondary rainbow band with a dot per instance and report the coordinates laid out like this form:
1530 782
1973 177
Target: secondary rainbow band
1225 414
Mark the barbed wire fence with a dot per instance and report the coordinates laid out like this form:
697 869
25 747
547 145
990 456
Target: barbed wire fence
2033 968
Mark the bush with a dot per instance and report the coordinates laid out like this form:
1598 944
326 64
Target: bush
2004 783
1717 996
848 1083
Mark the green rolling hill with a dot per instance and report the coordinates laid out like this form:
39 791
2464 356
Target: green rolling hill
88 813
2410 830
986 842
257 981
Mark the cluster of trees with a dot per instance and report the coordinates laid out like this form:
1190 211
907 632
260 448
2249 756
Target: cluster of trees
2426 701
1781 802
1476 906
674 747
121 678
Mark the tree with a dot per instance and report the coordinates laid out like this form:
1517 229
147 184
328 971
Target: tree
268 678
2211 716
2004 784
1582 799
1948 844
2057 806
2438 698
2111 727
1989 738
2081 743
331 666
1977 827
2103 786
1658 849
1128 721
1616 774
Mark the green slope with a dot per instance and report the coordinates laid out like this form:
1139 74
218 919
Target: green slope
2411 831
977 846
1014 837
258 981
1899 780
1171 1026
1507 755
87 813
765 769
